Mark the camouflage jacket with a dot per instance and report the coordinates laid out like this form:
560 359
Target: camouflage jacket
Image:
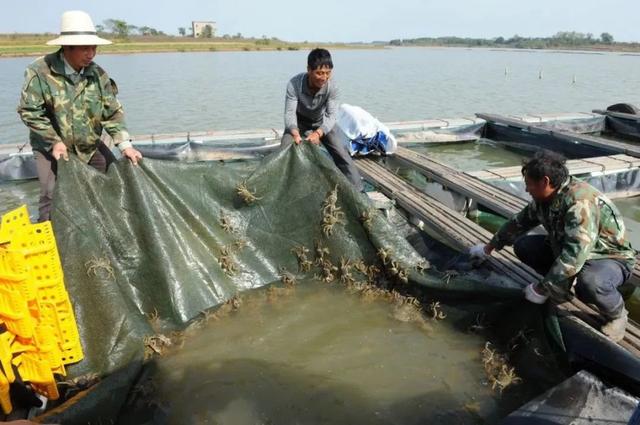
582 224
57 110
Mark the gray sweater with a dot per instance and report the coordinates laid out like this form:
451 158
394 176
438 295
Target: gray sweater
306 111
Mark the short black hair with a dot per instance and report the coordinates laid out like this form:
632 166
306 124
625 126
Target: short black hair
546 163
319 58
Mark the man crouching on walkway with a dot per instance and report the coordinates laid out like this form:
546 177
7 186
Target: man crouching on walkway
586 243
310 110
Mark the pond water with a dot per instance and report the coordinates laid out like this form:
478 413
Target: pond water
180 92
319 355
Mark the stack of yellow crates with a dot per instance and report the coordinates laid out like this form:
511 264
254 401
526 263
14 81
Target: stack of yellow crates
39 333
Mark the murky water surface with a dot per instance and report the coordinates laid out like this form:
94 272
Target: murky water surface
471 156
321 355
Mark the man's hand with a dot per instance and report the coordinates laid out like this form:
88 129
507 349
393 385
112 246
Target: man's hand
59 151
297 139
314 137
133 154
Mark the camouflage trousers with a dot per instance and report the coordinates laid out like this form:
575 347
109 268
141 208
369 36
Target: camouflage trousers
596 283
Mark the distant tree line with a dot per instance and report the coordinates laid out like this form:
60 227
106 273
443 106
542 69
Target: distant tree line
559 40
122 29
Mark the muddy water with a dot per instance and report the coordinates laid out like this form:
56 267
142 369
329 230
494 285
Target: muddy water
320 356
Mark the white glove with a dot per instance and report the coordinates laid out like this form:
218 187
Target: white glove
531 294
477 251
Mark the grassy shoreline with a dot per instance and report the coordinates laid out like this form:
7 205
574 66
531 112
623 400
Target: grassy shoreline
25 45
35 45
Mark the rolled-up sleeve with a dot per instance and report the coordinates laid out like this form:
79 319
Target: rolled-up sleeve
290 108
331 112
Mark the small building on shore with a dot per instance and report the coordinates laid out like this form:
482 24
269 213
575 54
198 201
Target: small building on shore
200 28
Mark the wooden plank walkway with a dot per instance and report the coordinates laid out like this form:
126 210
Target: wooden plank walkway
565 136
455 230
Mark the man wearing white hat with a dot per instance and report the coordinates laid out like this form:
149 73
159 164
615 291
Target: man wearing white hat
66 101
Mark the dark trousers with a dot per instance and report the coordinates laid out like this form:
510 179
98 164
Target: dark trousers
338 152
596 283
47 169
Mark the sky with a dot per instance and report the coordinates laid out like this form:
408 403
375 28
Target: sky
344 20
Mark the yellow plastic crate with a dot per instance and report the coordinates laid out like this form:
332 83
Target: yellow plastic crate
13 264
5 400
60 320
12 222
34 368
21 345
47 345
33 275
42 336
6 339
14 312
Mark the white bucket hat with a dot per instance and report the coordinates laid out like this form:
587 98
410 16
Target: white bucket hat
77 29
